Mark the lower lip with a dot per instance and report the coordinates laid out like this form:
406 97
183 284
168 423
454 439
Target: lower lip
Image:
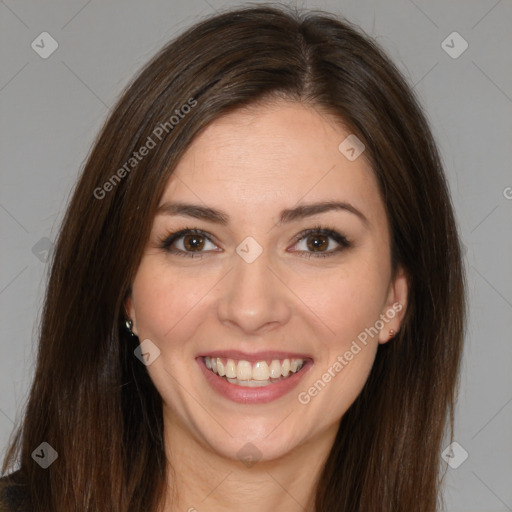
259 395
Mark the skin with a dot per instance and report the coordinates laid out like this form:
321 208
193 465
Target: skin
252 164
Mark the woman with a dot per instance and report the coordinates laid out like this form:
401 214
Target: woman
256 300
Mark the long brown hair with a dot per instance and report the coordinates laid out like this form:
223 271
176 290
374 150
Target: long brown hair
94 402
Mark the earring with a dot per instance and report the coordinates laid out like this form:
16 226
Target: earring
391 333
129 324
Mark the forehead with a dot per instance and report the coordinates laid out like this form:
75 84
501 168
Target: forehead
270 157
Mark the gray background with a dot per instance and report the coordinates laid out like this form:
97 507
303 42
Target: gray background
51 110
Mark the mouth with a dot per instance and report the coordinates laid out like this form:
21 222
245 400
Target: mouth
256 373
253 378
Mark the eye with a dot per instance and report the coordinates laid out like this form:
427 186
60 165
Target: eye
186 242
315 242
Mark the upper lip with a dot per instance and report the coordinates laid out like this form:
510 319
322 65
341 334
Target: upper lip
254 356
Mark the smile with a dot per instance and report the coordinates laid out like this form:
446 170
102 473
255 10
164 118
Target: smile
253 378
255 374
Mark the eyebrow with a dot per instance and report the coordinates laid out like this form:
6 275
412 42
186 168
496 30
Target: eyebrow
286 216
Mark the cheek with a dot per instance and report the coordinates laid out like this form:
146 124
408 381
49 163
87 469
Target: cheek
163 299
349 303
347 299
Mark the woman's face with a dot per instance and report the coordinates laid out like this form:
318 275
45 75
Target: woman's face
255 289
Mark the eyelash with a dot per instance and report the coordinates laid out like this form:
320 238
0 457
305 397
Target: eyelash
166 243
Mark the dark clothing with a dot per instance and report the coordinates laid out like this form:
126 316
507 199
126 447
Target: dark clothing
14 496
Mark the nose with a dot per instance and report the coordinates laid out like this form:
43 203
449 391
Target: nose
255 300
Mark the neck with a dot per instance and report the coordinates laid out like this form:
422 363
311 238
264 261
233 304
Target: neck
201 479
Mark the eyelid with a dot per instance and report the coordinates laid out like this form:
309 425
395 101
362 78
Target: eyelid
330 232
167 241
323 230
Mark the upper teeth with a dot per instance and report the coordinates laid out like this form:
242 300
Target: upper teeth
259 370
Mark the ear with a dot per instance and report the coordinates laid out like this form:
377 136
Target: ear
129 309
395 307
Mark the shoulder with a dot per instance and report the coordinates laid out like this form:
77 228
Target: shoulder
14 496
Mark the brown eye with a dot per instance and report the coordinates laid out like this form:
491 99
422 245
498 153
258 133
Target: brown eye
321 242
193 242
317 242
187 242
